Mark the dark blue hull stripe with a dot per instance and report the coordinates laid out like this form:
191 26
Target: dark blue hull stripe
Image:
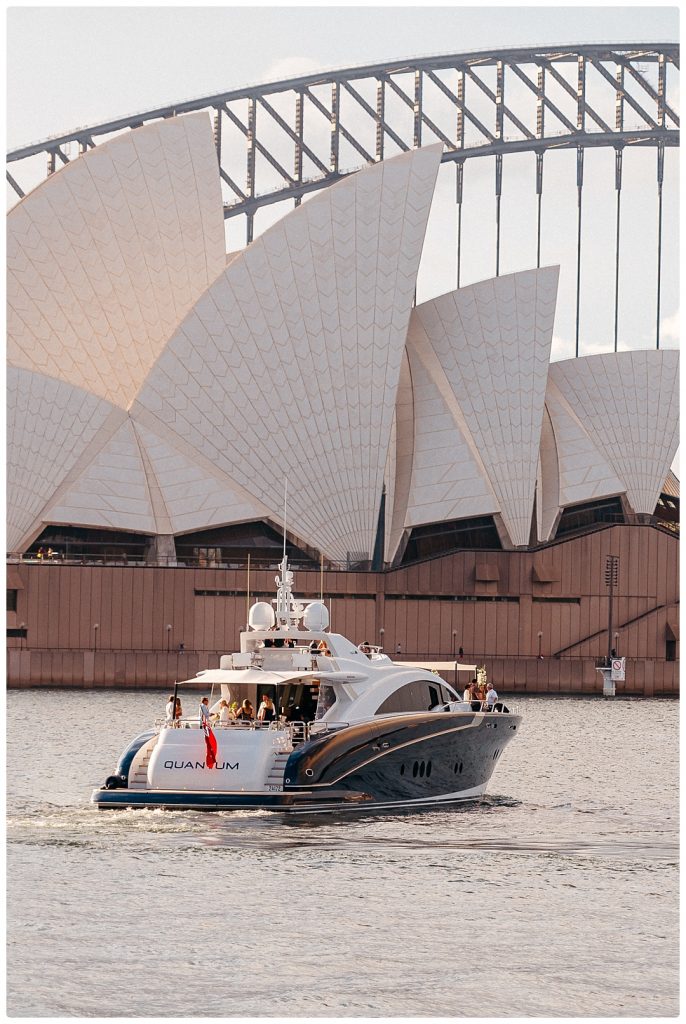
294 803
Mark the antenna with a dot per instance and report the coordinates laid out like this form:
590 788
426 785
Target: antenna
321 579
247 595
285 508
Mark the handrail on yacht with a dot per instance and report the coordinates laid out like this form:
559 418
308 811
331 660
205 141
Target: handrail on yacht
194 723
319 727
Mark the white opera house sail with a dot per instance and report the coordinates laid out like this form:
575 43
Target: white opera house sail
158 387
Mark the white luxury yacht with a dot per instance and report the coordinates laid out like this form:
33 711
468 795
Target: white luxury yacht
351 729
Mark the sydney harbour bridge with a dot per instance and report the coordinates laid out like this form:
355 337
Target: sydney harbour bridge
279 142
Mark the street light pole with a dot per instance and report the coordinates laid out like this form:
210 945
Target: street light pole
540 641
381 636
611 581
169 629
96 627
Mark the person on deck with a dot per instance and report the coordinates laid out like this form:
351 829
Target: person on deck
246 712
224 713
178 713
169 712
266 711
491 697
204 711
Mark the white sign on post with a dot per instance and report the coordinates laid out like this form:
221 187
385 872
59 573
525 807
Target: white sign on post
618 669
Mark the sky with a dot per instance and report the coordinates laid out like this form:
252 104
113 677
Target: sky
70 67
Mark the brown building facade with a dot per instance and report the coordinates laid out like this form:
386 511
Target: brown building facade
537 620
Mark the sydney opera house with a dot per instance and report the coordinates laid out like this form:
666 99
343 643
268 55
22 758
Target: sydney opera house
456 488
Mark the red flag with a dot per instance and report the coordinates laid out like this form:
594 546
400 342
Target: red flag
211 745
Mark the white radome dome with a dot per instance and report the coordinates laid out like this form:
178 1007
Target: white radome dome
316 617
261 616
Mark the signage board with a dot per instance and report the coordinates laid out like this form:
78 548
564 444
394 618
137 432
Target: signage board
618 669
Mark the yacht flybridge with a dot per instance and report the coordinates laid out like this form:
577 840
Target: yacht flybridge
351 728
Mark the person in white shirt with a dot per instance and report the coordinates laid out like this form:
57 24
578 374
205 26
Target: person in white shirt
266 711
169 712
467 695
224 713
491 696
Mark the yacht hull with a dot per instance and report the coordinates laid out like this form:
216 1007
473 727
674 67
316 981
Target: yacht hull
301 803
407 761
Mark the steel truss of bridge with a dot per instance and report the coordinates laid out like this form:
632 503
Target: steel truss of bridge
281 141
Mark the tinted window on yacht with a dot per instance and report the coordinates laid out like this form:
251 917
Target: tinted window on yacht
418 696
325 700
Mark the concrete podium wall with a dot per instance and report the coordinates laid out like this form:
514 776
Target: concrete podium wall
492 604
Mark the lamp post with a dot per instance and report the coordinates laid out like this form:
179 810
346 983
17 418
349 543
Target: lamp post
611 581
381 636
22 627
96 627
540 641
615 649
169 629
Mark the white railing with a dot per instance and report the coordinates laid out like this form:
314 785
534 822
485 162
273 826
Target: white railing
194 723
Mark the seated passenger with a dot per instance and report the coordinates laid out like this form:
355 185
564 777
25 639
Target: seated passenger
246 712
266 711
324 649
366 649
224 713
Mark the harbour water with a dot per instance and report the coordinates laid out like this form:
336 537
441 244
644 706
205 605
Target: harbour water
555 896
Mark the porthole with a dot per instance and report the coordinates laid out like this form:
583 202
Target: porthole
402 769
428 769
415 769
457 768
422 769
